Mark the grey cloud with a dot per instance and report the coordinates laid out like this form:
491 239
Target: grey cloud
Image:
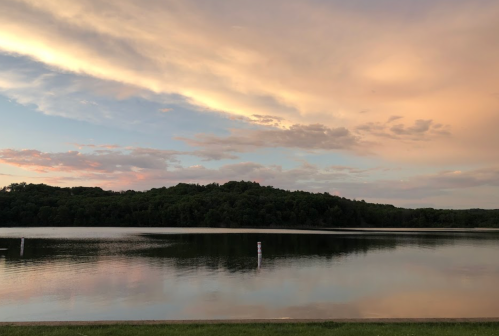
171 155
393 118
212 155
267 117
419 127
266 120
99 161
166 154
420 130
259 119
310 137
374 128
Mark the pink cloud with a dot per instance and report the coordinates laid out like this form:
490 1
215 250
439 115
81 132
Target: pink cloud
144 168
74 161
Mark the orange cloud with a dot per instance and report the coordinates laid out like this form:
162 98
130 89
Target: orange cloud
306 63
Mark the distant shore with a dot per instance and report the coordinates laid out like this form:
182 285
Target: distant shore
271 228
233 204
464 230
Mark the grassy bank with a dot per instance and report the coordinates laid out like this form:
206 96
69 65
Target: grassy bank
308 329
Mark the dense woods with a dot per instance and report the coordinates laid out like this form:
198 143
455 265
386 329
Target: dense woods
233 204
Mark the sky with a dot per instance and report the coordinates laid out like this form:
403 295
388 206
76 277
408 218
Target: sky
389 101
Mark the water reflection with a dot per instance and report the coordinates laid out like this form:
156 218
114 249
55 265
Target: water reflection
204 276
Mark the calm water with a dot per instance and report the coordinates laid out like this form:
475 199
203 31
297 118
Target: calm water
119 274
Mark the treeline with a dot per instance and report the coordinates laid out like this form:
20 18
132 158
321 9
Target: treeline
233 204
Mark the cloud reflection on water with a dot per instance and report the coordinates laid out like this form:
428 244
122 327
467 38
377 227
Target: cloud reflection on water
215 276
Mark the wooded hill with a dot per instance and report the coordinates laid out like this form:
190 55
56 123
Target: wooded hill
233 204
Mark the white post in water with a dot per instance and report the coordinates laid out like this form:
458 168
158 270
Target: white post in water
22 246
259 249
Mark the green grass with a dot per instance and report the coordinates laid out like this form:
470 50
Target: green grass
309 329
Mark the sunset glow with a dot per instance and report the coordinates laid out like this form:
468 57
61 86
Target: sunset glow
395 103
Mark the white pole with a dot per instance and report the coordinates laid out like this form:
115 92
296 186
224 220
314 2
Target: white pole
259 250
22 246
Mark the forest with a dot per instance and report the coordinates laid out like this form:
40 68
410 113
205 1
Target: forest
233 204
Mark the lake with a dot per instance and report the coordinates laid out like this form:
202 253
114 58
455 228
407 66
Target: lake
175 273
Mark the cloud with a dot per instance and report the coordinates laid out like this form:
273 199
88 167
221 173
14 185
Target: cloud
463 179
144 168
420 130
267 120
393 118
420 187
80 146
100 161
420 127
55 94
311 62
357 171
309 137
84 98
258 119
213 155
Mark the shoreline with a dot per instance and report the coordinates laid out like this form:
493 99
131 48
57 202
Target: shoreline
297 228
251 321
